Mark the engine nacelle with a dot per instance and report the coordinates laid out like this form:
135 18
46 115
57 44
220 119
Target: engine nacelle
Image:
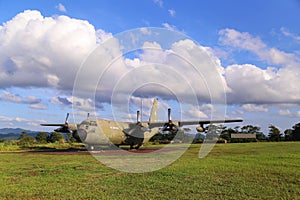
200 129
170 127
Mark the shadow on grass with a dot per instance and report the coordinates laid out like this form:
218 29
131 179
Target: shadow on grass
53 149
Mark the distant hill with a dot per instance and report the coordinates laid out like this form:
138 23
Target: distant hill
14 133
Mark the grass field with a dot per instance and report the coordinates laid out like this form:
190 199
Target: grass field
230 171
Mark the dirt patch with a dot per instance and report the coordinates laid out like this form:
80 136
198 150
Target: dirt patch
105 151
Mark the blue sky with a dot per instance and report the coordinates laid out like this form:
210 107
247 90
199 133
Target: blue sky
256 45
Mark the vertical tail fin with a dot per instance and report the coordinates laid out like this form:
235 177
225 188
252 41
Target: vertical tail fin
154 110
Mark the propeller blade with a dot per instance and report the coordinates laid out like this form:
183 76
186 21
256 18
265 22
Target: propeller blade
169 114
169 126
138 117
66 121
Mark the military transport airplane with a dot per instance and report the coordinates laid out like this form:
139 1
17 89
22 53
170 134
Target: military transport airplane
93 132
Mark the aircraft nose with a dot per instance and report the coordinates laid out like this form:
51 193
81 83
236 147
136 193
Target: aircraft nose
82 134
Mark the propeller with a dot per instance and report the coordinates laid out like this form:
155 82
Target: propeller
65 127
169 126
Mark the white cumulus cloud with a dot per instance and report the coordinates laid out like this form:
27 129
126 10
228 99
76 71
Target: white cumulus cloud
38 51
249 83
245 41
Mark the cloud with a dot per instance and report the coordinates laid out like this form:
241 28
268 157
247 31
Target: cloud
285 112
54 48
39 106
288 113
76 103
255 108
238 112
195 113
38 51
169 27
61 7
152 72
242 40
264 84
172 12
251 84
17 121
245 41
160 3
145 31
9 119
287 33
15 98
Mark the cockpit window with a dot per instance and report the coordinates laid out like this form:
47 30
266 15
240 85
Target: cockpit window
93 123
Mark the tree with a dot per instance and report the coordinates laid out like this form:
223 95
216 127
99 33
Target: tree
25 140
56 137
214 131
296 132
292 134
41 137
28 140
247 129
226 133
261 137
288 134
70 138
274 133
250 129
23 135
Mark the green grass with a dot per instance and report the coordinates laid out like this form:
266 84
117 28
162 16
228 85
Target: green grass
12 146
230 171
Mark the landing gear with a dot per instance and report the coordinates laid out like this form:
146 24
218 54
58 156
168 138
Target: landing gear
90 147
135 146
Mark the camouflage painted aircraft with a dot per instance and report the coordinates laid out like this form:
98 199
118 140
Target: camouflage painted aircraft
95 132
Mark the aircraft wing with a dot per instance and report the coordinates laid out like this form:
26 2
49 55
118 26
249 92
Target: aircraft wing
194 122
53 124
186 123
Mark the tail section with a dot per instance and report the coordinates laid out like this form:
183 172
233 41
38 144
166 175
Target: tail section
154 111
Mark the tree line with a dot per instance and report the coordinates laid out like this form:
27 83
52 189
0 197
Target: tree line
224 134
44 137
212 131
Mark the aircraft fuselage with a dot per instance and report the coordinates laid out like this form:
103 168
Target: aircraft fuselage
103 132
